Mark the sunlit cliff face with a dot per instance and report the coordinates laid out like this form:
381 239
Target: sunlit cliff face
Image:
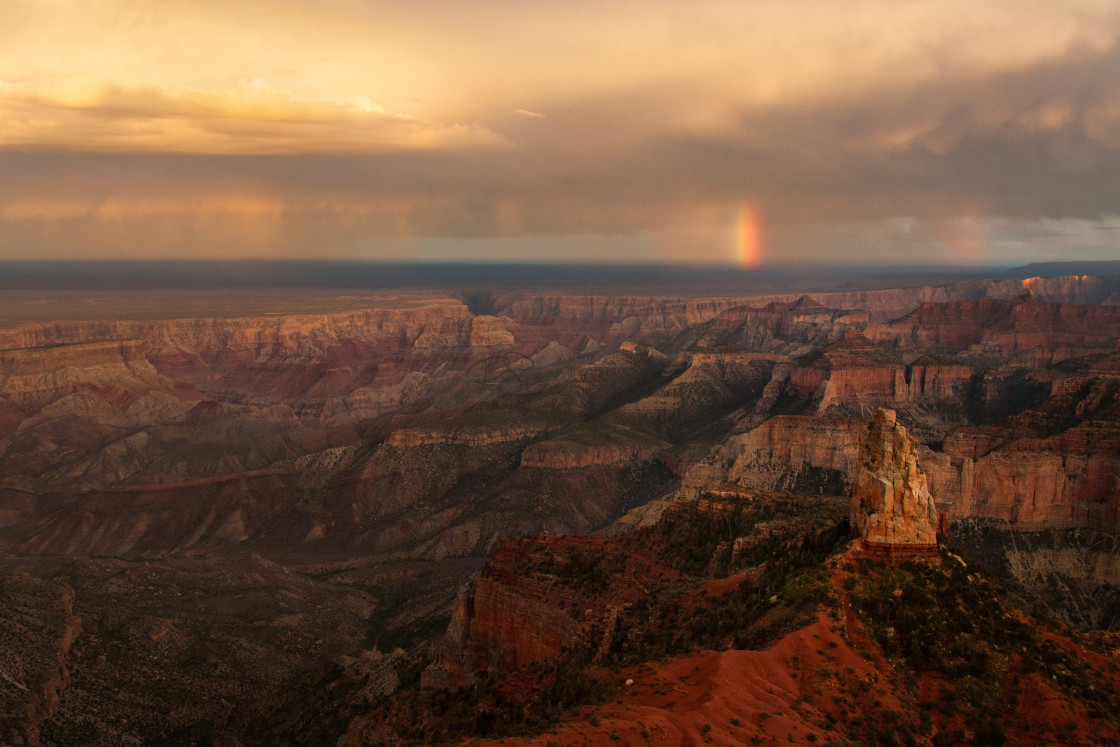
699 131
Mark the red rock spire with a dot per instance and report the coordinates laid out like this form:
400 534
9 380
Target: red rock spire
891 504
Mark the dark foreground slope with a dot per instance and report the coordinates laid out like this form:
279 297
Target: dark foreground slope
741 621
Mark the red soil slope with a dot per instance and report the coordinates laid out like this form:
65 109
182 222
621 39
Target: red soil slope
818 684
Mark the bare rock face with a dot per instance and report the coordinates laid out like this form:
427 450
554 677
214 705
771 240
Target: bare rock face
891 504
581 448
1057 465
796 453
506 618
487 331
1028 330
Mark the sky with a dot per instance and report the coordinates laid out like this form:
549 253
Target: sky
745 131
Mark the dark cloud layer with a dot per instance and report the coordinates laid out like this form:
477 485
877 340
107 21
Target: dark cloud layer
994 149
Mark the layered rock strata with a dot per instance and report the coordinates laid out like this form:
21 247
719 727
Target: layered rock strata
892 510
1055 466
849 369
787 328
792 452
504 619
1024 329
644 316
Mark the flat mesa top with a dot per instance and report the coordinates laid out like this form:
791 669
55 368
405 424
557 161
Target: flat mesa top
33 292
18 307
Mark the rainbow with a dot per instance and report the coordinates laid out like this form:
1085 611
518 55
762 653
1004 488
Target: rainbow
966 239
748 238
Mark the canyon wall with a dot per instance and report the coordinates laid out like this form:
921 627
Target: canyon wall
505 619
1027 329
637 316
360 428
788 452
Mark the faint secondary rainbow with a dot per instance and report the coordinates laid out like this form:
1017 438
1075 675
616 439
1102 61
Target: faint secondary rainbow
748 236
967 239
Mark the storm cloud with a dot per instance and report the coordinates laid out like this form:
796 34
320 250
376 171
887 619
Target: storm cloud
984 131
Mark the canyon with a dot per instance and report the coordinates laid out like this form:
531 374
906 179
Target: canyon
454 475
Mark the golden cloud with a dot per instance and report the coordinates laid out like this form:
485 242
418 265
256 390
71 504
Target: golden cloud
293 76
250 118
506 119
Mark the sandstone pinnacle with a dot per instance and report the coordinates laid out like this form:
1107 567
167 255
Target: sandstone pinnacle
891 503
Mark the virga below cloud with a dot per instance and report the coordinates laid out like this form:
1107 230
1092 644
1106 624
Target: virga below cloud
514 120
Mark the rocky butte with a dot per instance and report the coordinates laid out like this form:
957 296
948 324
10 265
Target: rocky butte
893 513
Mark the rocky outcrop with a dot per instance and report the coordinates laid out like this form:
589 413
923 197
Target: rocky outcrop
787 328
855 370
466 434
712 385
490 331
506 618
1056 465
30 373
541 595
641 316
573 453
891 504
847 370
426 324
788 452
931 379
1070 480
546 608
595 387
